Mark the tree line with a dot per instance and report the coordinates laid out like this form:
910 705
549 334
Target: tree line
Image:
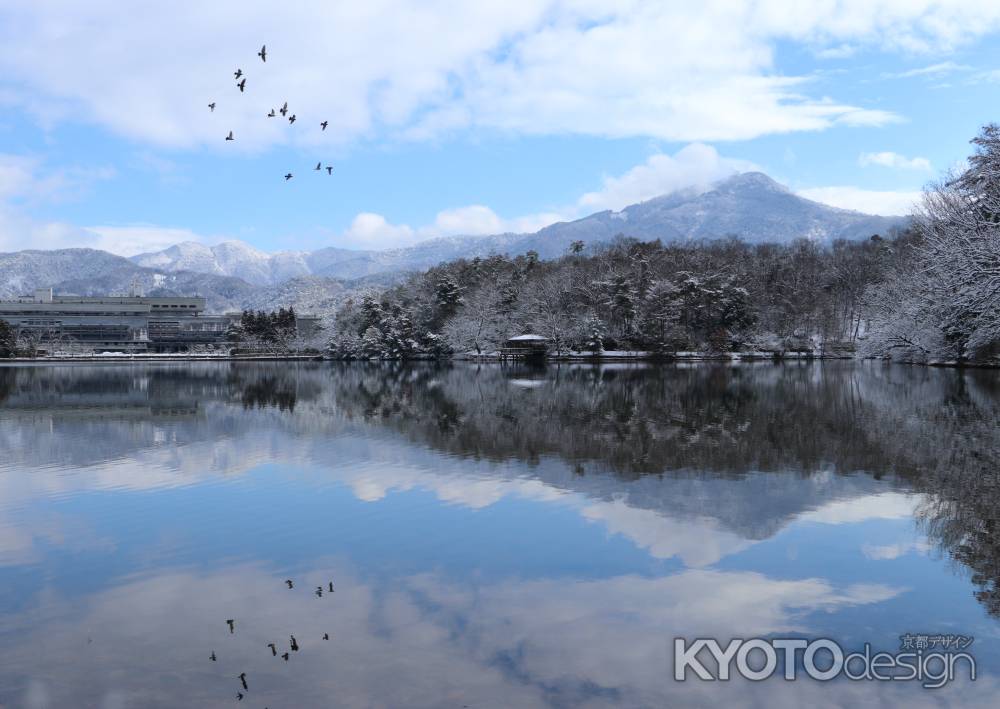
264 330
722 295
928 292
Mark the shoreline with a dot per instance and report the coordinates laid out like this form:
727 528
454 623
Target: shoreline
125 358
493 358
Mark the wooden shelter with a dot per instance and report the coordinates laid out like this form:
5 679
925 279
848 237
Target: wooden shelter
528 346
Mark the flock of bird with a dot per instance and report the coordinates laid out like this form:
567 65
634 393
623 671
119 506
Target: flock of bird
293 644
241 84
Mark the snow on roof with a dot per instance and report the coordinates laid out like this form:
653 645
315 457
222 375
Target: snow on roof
528 338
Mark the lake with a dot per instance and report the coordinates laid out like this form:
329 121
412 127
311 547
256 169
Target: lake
494 536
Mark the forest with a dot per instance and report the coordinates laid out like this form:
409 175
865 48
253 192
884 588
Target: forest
927 293
717 296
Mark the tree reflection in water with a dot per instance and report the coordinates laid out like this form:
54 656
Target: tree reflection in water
925 430
920 429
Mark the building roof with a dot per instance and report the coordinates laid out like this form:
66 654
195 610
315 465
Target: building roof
528 338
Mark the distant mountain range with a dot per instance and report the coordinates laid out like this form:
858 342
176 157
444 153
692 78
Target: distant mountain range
234 275
751 206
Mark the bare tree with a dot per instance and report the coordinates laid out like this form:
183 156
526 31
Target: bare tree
945 303
478 325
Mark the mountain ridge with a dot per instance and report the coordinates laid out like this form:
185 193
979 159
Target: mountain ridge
233 275
749 205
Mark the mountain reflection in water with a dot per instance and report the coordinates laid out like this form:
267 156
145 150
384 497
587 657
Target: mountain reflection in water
498 536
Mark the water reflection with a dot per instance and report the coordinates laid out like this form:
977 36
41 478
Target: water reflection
499 536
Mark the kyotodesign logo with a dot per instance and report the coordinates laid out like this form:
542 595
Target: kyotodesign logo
931 660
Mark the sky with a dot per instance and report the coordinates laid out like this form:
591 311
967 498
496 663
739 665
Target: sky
461 118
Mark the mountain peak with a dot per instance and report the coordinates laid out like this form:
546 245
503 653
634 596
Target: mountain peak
189 247
751 180
236 246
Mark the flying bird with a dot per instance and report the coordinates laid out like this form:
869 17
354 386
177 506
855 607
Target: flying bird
274 652
291 118
231 624
287 178
331 583
212 656
230 136
239 696
242 85
284 656
289 582
319 167
294 644
319 591
284 109
272 114
243 679
324 124
211 106
238 73
329 171
263 53
326 636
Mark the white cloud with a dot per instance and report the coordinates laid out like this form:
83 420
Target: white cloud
886 505
137 239
474 219
381 67
697 542
932 70
19 231
894 160
888 552
372 231
17 176
841 51
991 76
25 182
411 640
885 202
695 166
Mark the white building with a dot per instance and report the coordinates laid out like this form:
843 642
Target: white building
114 323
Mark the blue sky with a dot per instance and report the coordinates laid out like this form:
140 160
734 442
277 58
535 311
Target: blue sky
465 118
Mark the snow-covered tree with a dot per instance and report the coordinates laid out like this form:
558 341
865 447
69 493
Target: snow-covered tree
448 296
945 303
478 326
8 340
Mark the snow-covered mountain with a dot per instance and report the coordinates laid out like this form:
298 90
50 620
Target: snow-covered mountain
751 206
234 275
230 258
92 272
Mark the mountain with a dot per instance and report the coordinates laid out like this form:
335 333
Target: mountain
233 275
750 205
92 272
230 258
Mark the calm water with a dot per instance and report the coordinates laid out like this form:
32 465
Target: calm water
496 537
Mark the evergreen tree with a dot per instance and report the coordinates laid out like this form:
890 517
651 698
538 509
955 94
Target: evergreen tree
8 340
448 296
